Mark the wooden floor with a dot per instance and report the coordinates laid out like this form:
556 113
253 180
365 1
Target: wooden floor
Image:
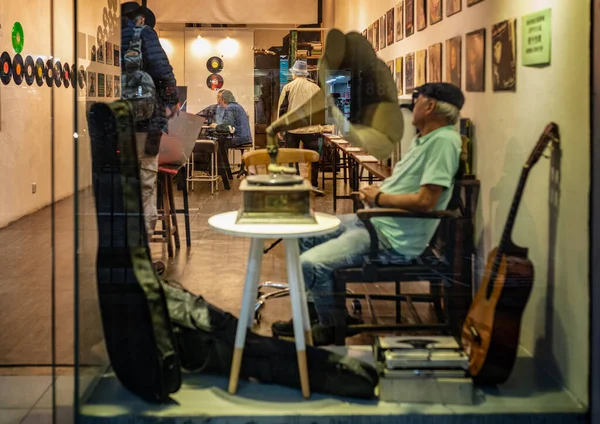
214 267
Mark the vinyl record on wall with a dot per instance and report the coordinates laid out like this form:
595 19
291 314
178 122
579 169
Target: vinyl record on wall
58 73
67 75
73 76
81 77
214 82
39 71
18 69
49 73
18 37
5 68
214 65
29 70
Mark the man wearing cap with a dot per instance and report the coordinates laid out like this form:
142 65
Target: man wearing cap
149 132
422 181
294 95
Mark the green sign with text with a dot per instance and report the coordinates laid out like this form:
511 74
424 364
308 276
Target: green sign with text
537 38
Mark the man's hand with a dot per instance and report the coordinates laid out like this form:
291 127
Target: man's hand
280 136
213 125
173 110
368 194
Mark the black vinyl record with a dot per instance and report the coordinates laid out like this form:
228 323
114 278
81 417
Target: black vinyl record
81 77
5 68
29 70
18 69
73 76
58 73
67 75
49 74
39 71
214 65
214 82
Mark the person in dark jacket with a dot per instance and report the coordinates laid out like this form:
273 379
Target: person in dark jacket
149 132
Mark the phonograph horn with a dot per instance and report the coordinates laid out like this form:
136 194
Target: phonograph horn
376 123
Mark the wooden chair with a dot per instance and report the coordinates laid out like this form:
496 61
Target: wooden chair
257 162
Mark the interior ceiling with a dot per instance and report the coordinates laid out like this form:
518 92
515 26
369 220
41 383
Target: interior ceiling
248 12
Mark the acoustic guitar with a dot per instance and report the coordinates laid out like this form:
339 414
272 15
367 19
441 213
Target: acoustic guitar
490 333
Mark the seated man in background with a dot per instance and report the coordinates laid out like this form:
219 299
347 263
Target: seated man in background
234 116
422 181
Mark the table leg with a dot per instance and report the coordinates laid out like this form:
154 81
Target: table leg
252 275
334 166
299 311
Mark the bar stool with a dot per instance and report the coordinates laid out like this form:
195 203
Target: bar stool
212 148
242 148
167 211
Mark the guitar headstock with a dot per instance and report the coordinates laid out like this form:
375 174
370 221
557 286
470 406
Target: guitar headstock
550 135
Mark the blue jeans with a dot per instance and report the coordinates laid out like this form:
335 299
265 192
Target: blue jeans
321 256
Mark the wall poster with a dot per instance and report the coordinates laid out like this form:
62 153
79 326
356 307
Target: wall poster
536 29
453 61
399 21
421 68
409 70
435 63
504 55
475 71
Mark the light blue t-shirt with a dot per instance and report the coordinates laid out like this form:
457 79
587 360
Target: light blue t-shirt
432 159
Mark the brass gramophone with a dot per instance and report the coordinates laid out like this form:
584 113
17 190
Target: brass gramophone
375 124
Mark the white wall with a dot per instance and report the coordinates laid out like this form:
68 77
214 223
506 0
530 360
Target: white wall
188 56
507 126
269 38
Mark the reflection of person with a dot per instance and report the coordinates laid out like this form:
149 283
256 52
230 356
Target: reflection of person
149 132
503 61
421 182
475 81
296 93
234 116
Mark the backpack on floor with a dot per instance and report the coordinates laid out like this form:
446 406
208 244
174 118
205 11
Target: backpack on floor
205 339
137 330
137 85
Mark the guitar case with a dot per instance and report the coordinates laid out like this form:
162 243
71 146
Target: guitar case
205 340
138 333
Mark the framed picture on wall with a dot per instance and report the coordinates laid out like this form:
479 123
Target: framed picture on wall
117 83
91 84
101 86
390 26
453 7
435 11
382 32
370 35
453 60
435 63
82 50
409 71
376 35
117 55
390 65
399 75
364 33
504 55
475 72
409 17
399 21
92 48
421 15
472 2
421 68
109 53
100 52
109 81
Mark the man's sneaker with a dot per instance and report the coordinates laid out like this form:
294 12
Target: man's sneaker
286 328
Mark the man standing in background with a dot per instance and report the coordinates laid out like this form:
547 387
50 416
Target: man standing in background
294 95
149 131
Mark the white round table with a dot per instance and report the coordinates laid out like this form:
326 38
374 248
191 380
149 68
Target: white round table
290 233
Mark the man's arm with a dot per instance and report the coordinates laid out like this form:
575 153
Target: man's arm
422 201
157 65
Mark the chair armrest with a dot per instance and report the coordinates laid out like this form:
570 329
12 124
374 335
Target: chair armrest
365 215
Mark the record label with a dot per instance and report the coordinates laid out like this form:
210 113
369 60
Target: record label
18 38
39 71
29 70
5 68
214 65
214 82
18 70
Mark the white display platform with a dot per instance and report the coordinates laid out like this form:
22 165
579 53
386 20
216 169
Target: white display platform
530 396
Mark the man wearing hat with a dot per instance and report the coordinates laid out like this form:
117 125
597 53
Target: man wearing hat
422 181
149 132
294 95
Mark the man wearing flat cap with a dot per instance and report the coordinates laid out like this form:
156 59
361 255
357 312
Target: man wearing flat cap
422 181
149 131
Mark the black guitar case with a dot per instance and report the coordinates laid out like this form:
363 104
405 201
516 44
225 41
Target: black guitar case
137 329
205 339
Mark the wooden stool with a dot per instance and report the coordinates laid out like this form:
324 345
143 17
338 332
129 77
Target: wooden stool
167 212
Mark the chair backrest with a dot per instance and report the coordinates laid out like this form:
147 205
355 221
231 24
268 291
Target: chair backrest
260 158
